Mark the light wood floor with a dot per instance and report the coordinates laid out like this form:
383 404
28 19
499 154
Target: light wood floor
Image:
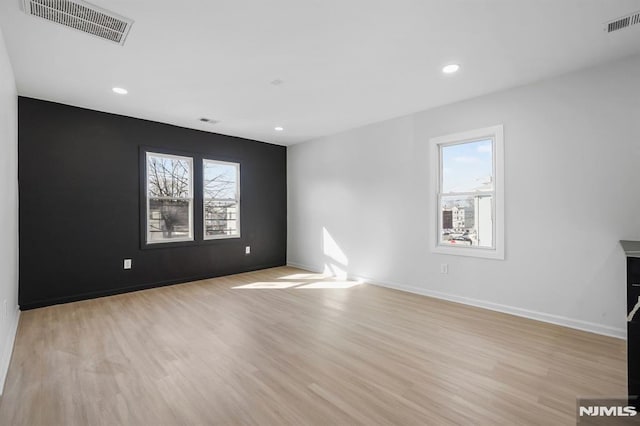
236 350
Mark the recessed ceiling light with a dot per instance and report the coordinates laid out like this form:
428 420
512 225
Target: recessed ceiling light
120 91
450 69
278 128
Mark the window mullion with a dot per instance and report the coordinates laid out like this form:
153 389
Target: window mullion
466 194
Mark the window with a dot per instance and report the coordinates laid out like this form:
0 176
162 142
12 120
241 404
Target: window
468 193
169 194
221 199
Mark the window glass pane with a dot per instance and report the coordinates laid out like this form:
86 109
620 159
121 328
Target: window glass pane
168 176
220 180
221 199
466 220
467 167
169 198
169 220
220 218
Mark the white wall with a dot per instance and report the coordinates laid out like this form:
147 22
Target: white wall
572 167
8 210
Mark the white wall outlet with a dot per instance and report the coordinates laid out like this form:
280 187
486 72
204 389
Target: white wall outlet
444 268
127 264
247 250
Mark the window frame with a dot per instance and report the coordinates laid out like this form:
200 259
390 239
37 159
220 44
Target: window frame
496 134
159 153
204 199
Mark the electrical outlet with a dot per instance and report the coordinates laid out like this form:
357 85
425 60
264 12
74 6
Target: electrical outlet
247 250
127 264
444 268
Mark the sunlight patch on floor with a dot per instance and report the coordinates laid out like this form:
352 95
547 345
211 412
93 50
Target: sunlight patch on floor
330 284
303 277
268 285
327 283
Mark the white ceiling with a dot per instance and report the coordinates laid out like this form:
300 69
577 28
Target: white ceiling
344 63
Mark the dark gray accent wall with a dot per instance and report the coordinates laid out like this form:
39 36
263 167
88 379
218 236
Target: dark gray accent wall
80 205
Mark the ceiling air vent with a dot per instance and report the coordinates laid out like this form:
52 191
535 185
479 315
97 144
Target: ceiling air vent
81 16
624 22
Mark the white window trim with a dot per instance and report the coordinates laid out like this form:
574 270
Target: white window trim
204 199
495 133
146 193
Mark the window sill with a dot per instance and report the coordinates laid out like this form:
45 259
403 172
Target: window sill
222 237
470 252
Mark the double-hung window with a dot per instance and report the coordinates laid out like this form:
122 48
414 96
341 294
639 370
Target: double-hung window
221 199
169 197
468 193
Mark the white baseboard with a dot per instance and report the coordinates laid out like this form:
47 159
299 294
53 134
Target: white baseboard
526 313
305 267
8 349
620 333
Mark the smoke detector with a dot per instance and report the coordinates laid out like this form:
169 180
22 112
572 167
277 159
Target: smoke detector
82 16
623 22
